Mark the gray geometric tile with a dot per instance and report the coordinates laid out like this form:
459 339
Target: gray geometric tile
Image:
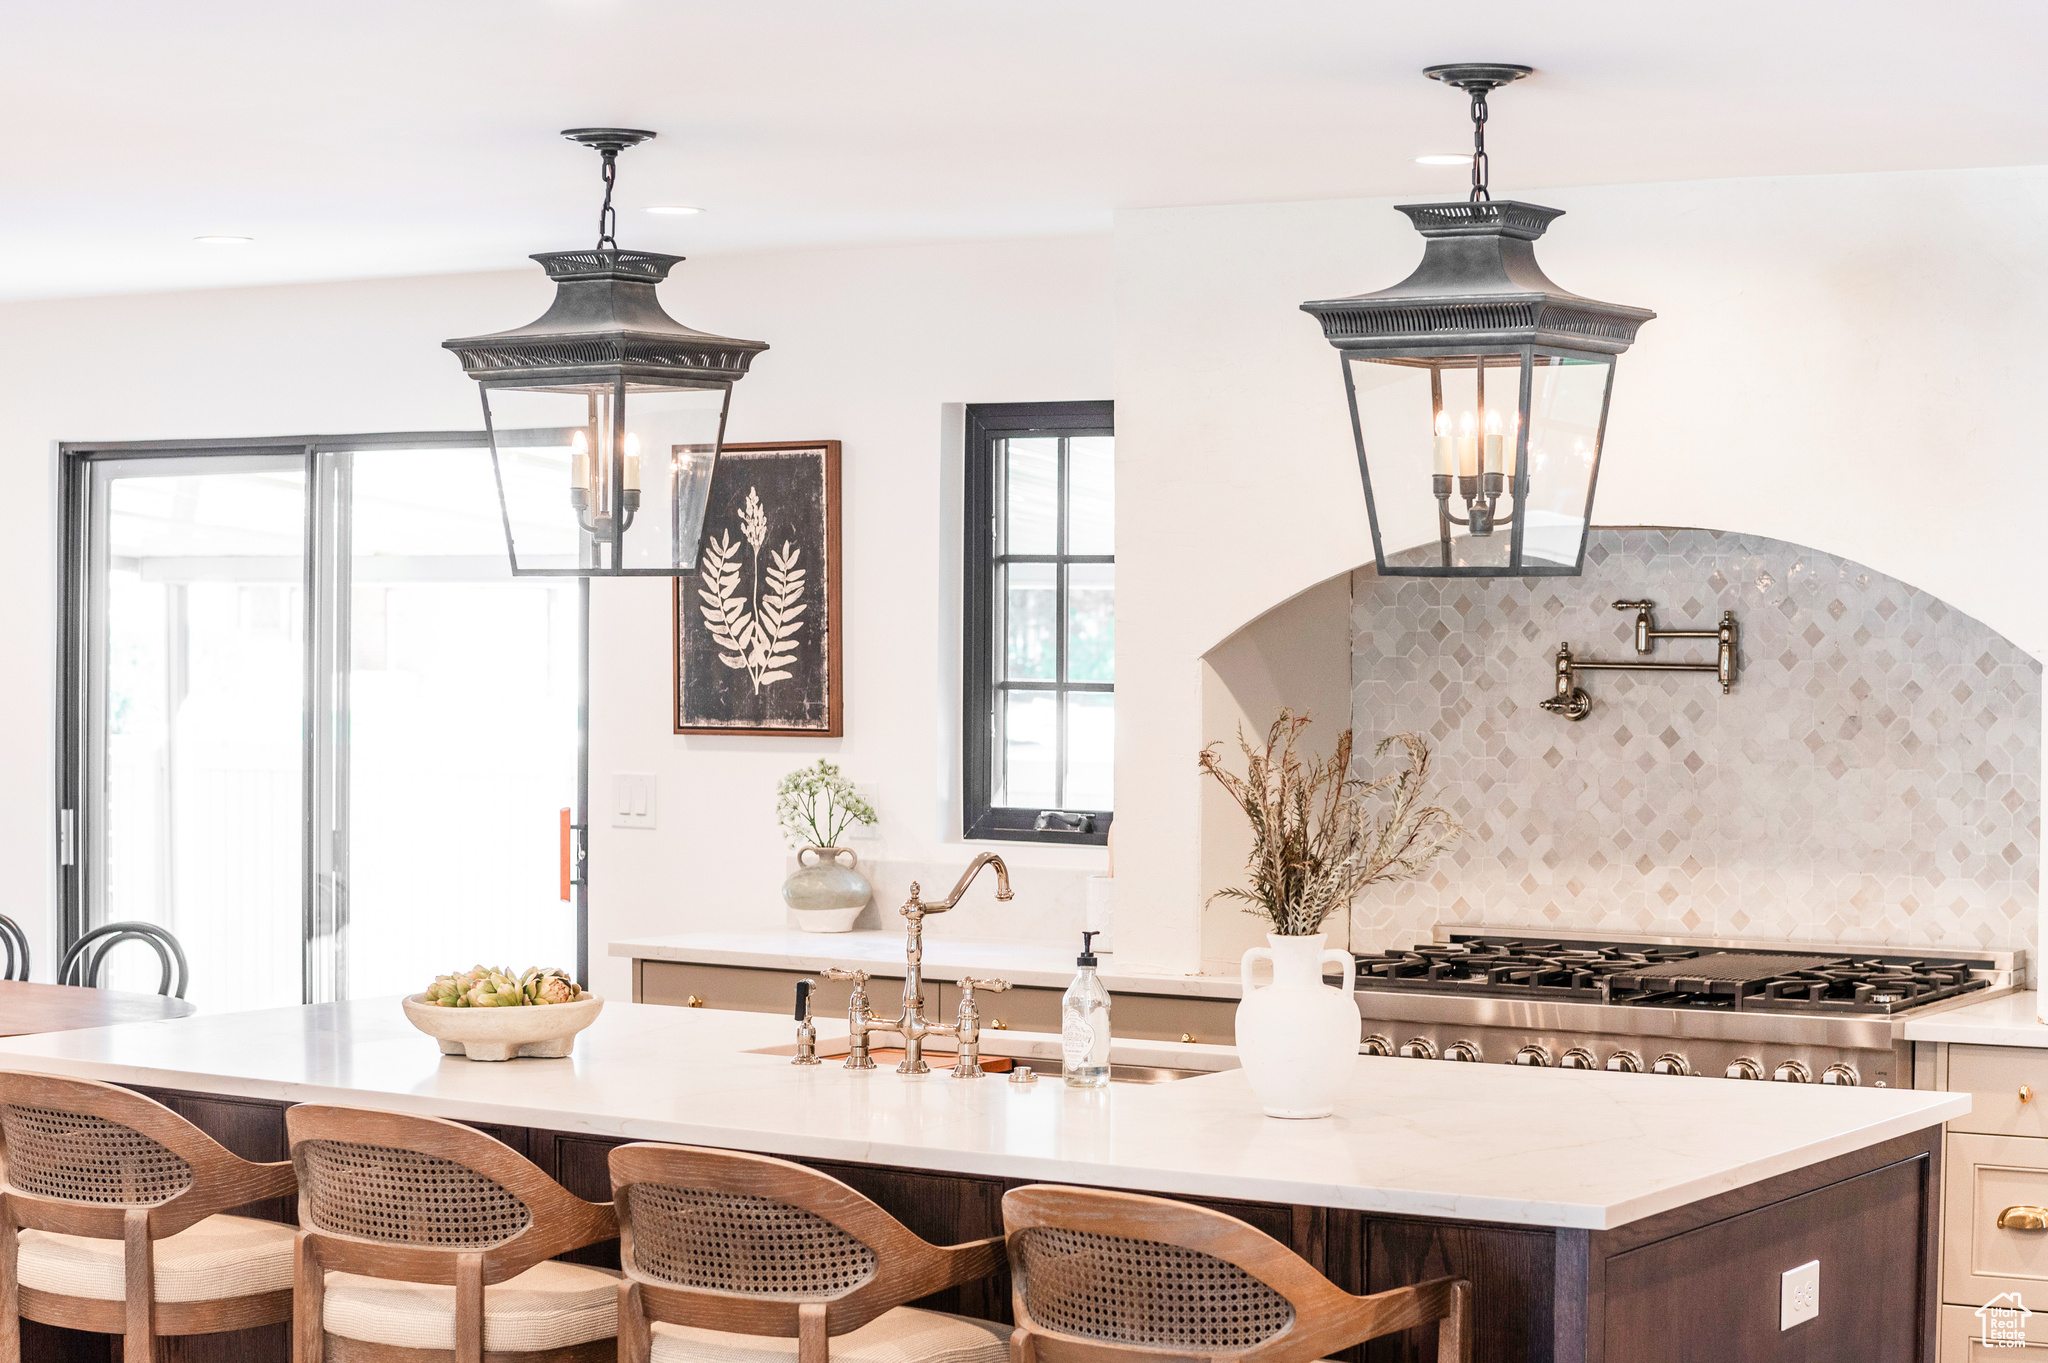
1874 776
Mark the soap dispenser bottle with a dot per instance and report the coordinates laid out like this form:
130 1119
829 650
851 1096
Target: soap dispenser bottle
1084 1023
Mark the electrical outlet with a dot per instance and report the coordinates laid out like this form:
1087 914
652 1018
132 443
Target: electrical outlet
1799 1295
632 799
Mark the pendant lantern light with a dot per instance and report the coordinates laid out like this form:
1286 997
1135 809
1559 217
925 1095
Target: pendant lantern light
602 401
1479 385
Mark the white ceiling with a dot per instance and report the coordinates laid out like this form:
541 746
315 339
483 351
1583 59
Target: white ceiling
388 137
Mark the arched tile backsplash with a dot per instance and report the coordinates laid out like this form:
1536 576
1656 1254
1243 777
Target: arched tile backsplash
1874 777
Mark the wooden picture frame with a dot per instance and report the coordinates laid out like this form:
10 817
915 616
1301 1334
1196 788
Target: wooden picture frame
771 540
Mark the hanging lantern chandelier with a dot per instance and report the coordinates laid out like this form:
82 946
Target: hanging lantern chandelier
603 400
1478 384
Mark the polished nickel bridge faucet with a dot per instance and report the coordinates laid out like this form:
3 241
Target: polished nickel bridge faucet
913 1026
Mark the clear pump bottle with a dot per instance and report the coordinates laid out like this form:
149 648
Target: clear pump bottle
1084 1023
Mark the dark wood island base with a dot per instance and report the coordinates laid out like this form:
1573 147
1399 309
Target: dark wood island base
1699 1284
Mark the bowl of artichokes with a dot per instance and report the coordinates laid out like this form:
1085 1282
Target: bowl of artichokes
486 1013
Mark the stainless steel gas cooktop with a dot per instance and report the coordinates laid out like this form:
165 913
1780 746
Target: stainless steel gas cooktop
1740 1010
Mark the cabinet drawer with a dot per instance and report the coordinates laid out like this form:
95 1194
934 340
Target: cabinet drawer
1156 1017
1133 1017
1962 1338
1984 1176
1025 1010
738 988
1993 1077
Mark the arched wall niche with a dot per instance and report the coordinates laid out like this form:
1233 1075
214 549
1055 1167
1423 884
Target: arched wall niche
1873 778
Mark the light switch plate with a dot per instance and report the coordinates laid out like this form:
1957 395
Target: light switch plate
1799 1295
632 799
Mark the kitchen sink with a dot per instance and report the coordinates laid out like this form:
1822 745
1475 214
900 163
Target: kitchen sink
887 1057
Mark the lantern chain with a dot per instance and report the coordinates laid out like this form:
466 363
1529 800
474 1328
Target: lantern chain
1479 164
608 217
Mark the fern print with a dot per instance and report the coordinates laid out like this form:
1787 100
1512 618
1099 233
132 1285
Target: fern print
756 634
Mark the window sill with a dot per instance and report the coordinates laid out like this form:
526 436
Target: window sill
1014 825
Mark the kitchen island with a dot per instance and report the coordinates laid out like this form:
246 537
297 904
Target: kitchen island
1603 1217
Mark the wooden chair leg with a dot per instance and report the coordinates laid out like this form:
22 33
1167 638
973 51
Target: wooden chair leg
469 1308
1454 1331
813 1345
138 1339
309 1295
636 1338
10 1286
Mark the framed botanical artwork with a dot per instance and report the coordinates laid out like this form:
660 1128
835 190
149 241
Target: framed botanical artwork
757 648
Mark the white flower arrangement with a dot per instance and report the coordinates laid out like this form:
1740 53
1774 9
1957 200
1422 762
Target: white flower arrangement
816 804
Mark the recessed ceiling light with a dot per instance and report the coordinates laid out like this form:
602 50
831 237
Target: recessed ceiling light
1445 159
224 241
675 210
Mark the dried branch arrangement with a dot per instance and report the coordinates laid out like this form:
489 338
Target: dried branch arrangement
1315 841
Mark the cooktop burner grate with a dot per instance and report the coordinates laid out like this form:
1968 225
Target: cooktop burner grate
1666 976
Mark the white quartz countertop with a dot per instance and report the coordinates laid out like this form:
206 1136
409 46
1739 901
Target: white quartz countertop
1538 1147
2010 1020
1031 964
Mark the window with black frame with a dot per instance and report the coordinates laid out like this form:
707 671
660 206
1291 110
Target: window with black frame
1040 638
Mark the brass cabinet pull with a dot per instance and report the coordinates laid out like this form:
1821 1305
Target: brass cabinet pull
2023 1218
2026 1094
1188 1037
998 1025
693 1002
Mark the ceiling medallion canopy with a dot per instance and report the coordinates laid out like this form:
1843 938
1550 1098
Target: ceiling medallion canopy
1480 375
604 392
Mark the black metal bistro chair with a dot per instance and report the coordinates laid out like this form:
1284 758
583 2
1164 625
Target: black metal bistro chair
85 960
15 943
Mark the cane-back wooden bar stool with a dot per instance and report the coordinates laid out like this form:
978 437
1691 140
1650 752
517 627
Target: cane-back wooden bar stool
425 1241
738 1258
1101 1277
113 1221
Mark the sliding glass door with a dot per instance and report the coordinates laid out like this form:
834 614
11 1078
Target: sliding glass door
313 725
461 745
196 602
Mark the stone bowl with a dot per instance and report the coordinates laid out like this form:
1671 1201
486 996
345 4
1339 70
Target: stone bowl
544 1031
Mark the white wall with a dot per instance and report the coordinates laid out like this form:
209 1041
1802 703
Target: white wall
1846 362
873 356
869 345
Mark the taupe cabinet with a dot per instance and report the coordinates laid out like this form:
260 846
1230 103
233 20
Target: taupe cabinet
1136 1017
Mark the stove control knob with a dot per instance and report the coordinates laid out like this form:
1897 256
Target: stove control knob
1670 1063
1793 1072
1578 1058
1745 1068
1419 1048
1844 1074
1377 1044
1467 1051
1539 1056
1625 1062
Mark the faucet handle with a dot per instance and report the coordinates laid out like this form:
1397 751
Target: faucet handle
969 982
857 976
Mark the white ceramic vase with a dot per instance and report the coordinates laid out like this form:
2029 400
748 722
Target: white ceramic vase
827 894
1297 1037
